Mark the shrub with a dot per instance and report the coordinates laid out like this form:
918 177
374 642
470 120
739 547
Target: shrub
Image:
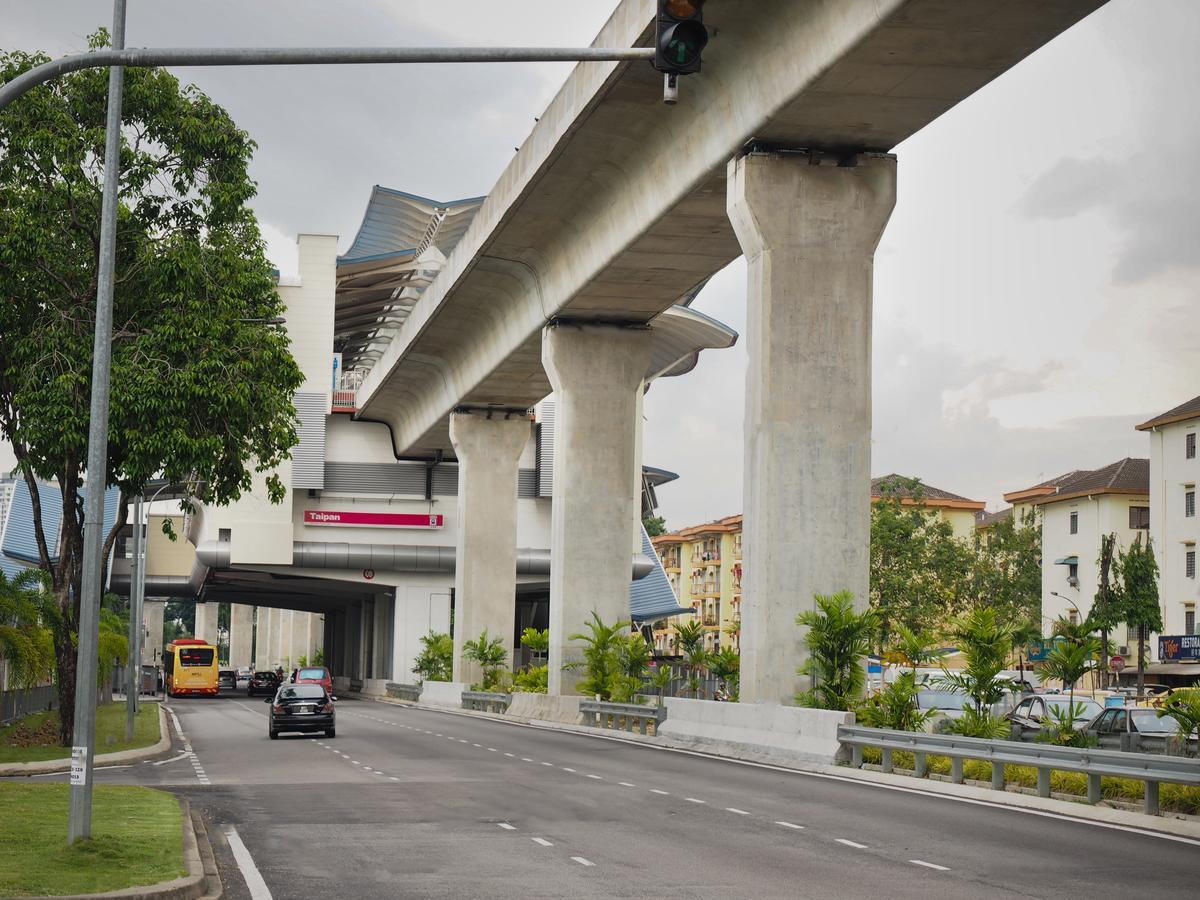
534 680
838 640
436 659
895 707
491 655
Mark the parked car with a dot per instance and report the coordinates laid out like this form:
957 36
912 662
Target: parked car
264 682
314 675
1028 718
1123 727
301 707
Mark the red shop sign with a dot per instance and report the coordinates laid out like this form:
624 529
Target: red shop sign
371 519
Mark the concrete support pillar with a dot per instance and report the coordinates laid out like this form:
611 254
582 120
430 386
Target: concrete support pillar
152 639
241 634
276 628
809 234
596 371
206 622
261 637
488 447
316 635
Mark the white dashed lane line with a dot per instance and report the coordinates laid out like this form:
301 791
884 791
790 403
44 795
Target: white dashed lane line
929 865
626 784
854 844
694 800
542 841
791 825
660 793
506 826
734 809
582 861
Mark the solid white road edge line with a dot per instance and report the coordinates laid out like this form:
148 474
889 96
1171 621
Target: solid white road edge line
253 878
846 779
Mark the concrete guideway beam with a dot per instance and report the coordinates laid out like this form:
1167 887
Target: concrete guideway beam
809 234
488 447
597 372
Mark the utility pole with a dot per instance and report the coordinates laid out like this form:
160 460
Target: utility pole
79 822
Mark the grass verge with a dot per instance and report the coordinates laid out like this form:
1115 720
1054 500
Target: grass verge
1172 797
35 737
137 839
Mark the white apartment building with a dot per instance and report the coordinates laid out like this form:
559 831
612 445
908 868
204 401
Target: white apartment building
1174 471
1077 509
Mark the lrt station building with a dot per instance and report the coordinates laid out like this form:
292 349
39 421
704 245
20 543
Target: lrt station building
370 536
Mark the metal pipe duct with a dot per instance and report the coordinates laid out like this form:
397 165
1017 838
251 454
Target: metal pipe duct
182 586
391 558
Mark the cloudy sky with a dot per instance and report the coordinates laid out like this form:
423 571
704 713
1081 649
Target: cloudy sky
1037 291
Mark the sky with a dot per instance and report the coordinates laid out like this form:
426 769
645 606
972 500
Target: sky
1037 290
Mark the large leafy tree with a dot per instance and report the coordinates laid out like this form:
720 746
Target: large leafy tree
1006 570
919 570
201 387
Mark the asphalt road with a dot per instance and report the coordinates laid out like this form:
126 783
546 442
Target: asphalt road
414 803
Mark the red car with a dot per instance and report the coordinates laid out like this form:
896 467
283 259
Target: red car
314 675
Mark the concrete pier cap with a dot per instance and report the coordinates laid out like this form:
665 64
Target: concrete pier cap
597 371
808 224
488 444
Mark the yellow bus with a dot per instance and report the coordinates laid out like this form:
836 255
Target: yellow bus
190 668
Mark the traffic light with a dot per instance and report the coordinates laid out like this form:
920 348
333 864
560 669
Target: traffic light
679 36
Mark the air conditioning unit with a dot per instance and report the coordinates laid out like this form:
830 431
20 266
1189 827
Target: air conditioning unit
1122 650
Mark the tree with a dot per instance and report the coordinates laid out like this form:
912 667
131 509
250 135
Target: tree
726 666
538 641
435 662
654 525
491 655
201 387
26 645
915 647
1068 661
1138 574
985 641
1006 570
1105 614
838 640
918 569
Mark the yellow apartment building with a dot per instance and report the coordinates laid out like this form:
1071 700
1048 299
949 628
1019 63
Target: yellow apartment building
704 565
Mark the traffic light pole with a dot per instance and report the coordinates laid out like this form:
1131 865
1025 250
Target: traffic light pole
117 59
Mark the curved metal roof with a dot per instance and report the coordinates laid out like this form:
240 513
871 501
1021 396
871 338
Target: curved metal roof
396 220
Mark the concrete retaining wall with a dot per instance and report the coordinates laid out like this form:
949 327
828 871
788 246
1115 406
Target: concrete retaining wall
543 707
443 693
765 732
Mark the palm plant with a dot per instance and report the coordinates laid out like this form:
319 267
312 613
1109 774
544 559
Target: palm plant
1068 661
689 635
661 680
537 640
838 640
917 647
985 643
599 661
1184 706
633 657
726 666
491 655
25 644
697 662
895 706
436 659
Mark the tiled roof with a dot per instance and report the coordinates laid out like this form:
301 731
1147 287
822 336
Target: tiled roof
984 519
717 526
1184 411
1126 476
931 494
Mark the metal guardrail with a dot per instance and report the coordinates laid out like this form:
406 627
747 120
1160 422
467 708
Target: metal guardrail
622 716
1151 769
409 692
486 701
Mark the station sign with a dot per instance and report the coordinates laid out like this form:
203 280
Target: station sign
1179 647
357 519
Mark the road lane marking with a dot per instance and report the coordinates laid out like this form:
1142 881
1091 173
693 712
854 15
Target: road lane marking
582 861
163 762
493 750
510 755
356 762
565 769
929 865
480 746
597 777
393 778
542 841
854 844
548 764
694 800
662 793
526 759
506 826
791 825
734 809
250 874
461 741
626 784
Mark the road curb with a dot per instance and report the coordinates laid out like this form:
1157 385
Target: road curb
139 754
202 880
1167 824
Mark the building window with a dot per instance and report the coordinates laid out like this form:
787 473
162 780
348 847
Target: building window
1073 617
1189 503
1189 619
1074 523
1139 517
1189 445
1189 564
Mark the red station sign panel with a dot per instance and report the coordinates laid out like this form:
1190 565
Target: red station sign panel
371 519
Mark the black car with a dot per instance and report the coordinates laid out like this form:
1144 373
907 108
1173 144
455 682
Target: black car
262 683
301 707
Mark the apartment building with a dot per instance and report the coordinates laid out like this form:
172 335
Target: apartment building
1077 509
959 511
1174 471
704 566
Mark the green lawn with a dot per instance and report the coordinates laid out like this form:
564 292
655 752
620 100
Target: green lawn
35 738
136 839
